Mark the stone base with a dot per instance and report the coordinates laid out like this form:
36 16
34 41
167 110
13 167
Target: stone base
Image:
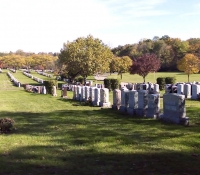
55 95
141 112
115 107
123 109
180 121
64 96
104 105
95 103
131 111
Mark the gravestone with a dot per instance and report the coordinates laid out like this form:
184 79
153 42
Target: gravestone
96 97
82 97
180 89
64 95
78 93
54 91
195 91
156 88
104 98
74 92
133 102
124 100
142 103
44 91
92 94
87 93
116 99
153 105
187 90
174 109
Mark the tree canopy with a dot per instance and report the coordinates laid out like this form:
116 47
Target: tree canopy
85 56
189 64
145 64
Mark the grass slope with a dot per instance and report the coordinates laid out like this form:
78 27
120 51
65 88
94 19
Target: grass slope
61 136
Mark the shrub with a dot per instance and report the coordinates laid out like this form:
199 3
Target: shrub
115 84
107 83
49 85
161 82
170 80
6 124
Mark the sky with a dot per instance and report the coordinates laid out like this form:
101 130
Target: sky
44 25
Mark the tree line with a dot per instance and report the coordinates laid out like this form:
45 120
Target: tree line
87 56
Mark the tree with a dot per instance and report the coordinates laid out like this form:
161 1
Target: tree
121 64
145 64
189 64
85 56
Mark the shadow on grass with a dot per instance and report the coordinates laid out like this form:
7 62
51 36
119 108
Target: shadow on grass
99 142
40 160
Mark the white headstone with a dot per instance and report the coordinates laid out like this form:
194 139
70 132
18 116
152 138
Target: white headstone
116 99
104 98
133 102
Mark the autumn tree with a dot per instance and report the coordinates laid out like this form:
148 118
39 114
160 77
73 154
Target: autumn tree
145 64
189 64
120 64
85 56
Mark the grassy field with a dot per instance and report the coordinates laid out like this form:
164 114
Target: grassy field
63 137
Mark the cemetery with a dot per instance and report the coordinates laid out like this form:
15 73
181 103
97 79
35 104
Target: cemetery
136 116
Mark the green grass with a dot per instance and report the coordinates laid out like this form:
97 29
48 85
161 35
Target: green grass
151 77
61 136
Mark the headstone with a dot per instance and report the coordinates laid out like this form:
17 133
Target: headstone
187 90
64 95
82 98
142 103
174 109
54 91
124 100
74 92
96 97
180 89
133 102
44 91
195 91
116 99
156 88
92 94
153 105
87 93
78 93
104 98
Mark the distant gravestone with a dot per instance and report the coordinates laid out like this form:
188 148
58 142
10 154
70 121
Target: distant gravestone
54 91
82 97
96 97
195 91
116 99
92 94
74 92
153 105
180 89
104 98
187 90
64 95
142 103
133 102
174 109
87 93
156 88
124 100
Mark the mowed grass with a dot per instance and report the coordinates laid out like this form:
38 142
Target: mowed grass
61 136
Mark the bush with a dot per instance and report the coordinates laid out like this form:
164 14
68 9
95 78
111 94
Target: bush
161 82
111 83
6 124
170 80
49 85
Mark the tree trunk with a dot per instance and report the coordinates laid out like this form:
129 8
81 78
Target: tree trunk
144 79
188 77
121 75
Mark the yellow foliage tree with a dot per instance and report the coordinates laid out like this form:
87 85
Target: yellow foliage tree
189 64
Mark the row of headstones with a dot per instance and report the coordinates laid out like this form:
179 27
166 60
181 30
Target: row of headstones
189 90
13 70
97 96
36 89
141 103
39 80
154 88
14 80
44 74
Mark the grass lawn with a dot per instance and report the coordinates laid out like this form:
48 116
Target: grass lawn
62 137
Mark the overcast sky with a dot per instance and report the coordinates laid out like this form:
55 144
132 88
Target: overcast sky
44 25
